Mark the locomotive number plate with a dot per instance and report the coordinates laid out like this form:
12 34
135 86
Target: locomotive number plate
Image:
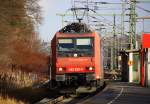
75 69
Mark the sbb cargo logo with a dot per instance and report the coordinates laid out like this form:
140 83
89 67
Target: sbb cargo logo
75 69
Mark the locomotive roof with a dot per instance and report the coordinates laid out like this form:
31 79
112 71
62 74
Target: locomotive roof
76 28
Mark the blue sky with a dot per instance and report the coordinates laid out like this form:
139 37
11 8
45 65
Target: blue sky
52 23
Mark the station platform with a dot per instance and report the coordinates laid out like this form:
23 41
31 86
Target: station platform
121 93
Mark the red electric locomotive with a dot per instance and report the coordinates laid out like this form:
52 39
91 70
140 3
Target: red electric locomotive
76 58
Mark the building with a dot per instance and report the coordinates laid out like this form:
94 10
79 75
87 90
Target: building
145 60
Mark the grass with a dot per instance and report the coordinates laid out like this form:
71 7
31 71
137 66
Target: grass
14 89
8 100
30 95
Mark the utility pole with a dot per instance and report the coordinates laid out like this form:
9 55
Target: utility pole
114 42
132 24
62 19
113 46
122 22
112 60
132 38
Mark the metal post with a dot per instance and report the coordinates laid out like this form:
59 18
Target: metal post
122 21
143 25
112 61
132 36
113 46
114 42
62 20
88 12
132 25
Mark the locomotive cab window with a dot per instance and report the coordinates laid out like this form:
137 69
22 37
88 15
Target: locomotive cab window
65 44
83 47
84 44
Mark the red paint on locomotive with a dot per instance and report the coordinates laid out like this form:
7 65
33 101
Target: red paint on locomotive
74 62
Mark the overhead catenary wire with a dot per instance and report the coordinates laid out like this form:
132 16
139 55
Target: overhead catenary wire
143 8
137 6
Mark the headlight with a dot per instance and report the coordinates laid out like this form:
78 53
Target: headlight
97 77
90 68
60 69
75 55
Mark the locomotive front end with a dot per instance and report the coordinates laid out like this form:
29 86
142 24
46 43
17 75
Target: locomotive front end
75 59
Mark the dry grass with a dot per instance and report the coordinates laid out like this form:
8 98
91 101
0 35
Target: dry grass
17 86
28 94
7 100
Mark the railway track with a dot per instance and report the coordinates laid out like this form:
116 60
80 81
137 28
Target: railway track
67 98
64 100
80 98
75 100
51 100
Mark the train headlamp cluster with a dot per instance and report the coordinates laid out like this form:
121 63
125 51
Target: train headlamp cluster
60 69
90 68
97 77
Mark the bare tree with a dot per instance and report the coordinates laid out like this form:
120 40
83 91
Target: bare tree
18 19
